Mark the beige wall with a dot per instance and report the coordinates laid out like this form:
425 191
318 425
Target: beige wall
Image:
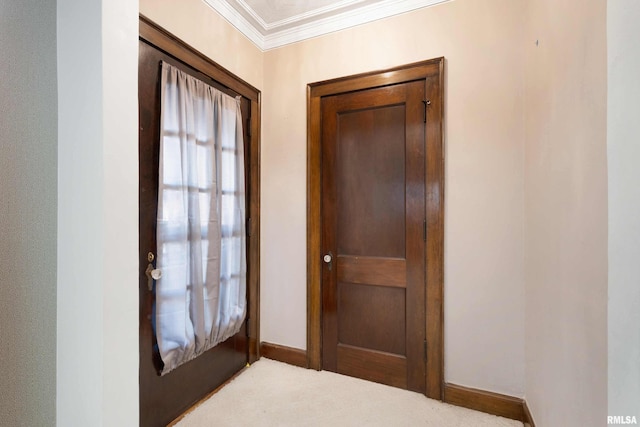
484 285
28 200
196 23
566 212
623 33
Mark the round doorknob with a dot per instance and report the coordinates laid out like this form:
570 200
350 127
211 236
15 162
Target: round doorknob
156 274
327 258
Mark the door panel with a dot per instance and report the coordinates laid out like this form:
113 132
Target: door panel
372 270
373 214
162 399
388 304
371 197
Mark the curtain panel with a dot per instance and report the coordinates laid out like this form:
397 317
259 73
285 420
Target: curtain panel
201 295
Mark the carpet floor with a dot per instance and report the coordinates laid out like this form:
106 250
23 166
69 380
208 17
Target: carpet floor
271 393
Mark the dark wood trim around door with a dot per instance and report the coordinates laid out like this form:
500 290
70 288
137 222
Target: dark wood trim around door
432 73
161 38
165 41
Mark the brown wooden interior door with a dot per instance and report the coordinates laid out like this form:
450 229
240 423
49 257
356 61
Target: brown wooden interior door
373 229
162 399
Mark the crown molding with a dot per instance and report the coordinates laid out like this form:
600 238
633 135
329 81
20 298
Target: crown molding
342 15
241 23
248 12
344 20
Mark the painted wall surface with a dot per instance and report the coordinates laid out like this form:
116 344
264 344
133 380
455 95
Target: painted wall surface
28 193
120 212
623 153
566 212
199 25
97 299
484 283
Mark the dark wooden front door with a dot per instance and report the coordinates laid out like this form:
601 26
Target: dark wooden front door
163 398
373 234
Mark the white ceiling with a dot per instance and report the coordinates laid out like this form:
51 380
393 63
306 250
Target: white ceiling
273 23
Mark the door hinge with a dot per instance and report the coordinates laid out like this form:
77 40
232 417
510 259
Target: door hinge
249 227
425 350
424 230
426 102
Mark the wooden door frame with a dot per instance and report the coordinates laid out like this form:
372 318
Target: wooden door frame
432 72
165 41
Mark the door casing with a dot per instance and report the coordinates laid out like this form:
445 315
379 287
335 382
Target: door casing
432 73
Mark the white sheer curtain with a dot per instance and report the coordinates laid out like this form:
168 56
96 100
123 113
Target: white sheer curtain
201 296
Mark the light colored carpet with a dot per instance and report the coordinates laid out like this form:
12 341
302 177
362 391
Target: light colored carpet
271 393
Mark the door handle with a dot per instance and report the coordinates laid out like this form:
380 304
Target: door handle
152 273
328 259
